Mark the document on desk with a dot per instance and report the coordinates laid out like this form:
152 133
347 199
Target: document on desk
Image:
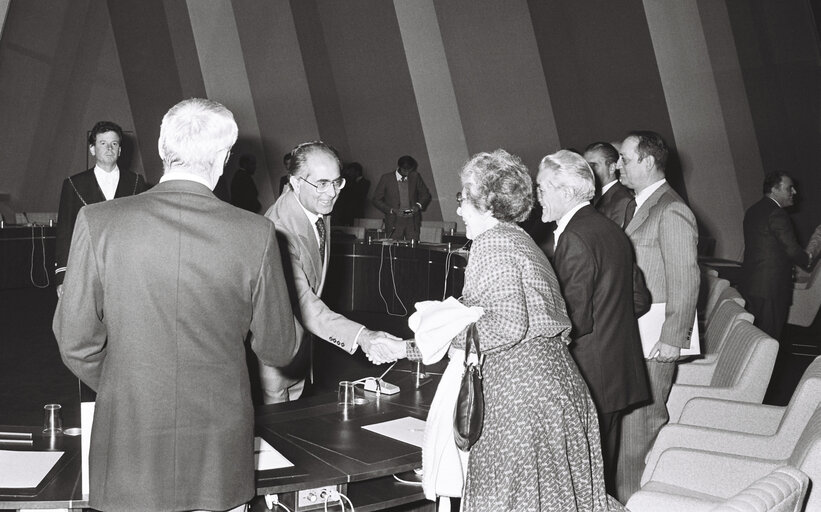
25 469
408 430
267 457
650 330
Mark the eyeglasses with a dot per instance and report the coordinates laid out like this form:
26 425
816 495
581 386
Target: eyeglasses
323 186
459 199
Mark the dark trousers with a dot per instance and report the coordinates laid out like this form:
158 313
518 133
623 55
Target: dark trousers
771 316
610 431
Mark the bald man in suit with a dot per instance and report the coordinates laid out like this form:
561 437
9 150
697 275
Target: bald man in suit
302 219
665 237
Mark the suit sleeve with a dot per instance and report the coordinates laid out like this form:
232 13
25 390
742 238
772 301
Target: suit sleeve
312 313
678 241
272 324
422 193
379 196
78 322
65 227
642 299
781 227
576 270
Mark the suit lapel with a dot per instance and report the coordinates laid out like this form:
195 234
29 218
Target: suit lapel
126 185
304 231
644 211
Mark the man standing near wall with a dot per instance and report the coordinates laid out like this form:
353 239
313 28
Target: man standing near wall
103 182
402 195
665 237
613 197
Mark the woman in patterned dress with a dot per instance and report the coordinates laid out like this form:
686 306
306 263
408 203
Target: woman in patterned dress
539 449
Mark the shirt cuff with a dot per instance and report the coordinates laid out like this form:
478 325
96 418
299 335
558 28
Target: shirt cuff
356 340
419 204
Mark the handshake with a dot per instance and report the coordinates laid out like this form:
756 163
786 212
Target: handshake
381 347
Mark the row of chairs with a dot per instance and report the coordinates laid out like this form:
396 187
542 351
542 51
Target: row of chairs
724 450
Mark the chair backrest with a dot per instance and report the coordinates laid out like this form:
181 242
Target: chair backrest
728 293
727 314
357 231
709 289
742 350
783 490
431 235
805 399
807 457
446 225
368 223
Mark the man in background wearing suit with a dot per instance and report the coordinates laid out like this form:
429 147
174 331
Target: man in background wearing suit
160 292
102 182
770 251
664 235
613 197
402 195
593 261
302 216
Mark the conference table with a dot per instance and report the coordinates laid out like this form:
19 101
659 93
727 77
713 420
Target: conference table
26 256
324 442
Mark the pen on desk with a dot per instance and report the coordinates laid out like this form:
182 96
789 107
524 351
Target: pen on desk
16 435
389 369
28 442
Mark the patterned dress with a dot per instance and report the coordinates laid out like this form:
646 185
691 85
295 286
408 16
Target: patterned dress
539 449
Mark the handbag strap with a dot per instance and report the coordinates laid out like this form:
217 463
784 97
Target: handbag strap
472 337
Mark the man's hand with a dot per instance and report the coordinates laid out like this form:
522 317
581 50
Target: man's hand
665 353
59 291
381 347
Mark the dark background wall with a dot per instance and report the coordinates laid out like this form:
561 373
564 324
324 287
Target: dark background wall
733 86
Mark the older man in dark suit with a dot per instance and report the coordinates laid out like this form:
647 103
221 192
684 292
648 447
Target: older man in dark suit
402 195
600 283
160 293
663 231
302 218
613 197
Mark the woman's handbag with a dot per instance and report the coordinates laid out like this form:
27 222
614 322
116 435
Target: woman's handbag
469 415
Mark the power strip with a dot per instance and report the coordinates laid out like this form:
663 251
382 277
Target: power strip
315 498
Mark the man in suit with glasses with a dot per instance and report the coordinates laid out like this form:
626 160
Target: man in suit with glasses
302 219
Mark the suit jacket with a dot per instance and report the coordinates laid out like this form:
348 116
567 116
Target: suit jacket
386 194
160 293
77 191
305 273
613 203
593 262
665 238
770 250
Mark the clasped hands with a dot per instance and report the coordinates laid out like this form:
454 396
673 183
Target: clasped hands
381 347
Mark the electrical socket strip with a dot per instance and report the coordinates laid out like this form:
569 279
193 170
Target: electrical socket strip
386 388
312 499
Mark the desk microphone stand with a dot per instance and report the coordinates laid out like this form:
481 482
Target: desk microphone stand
421 376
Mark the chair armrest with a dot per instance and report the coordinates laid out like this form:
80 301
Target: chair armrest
731 415
707 439
703 360
680 394
710 473
695 374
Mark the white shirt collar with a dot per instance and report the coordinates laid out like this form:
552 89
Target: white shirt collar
312 218
107 181
642 196
775 201
561 224
182 175
399 177
607 187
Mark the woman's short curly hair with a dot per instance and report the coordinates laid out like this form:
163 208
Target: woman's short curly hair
500 183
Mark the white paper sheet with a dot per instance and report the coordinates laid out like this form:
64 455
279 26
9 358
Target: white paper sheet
650 331
408 430
267 457
24 470
86 422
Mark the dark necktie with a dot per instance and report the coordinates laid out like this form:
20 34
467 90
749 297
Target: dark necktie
629 212
320 228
